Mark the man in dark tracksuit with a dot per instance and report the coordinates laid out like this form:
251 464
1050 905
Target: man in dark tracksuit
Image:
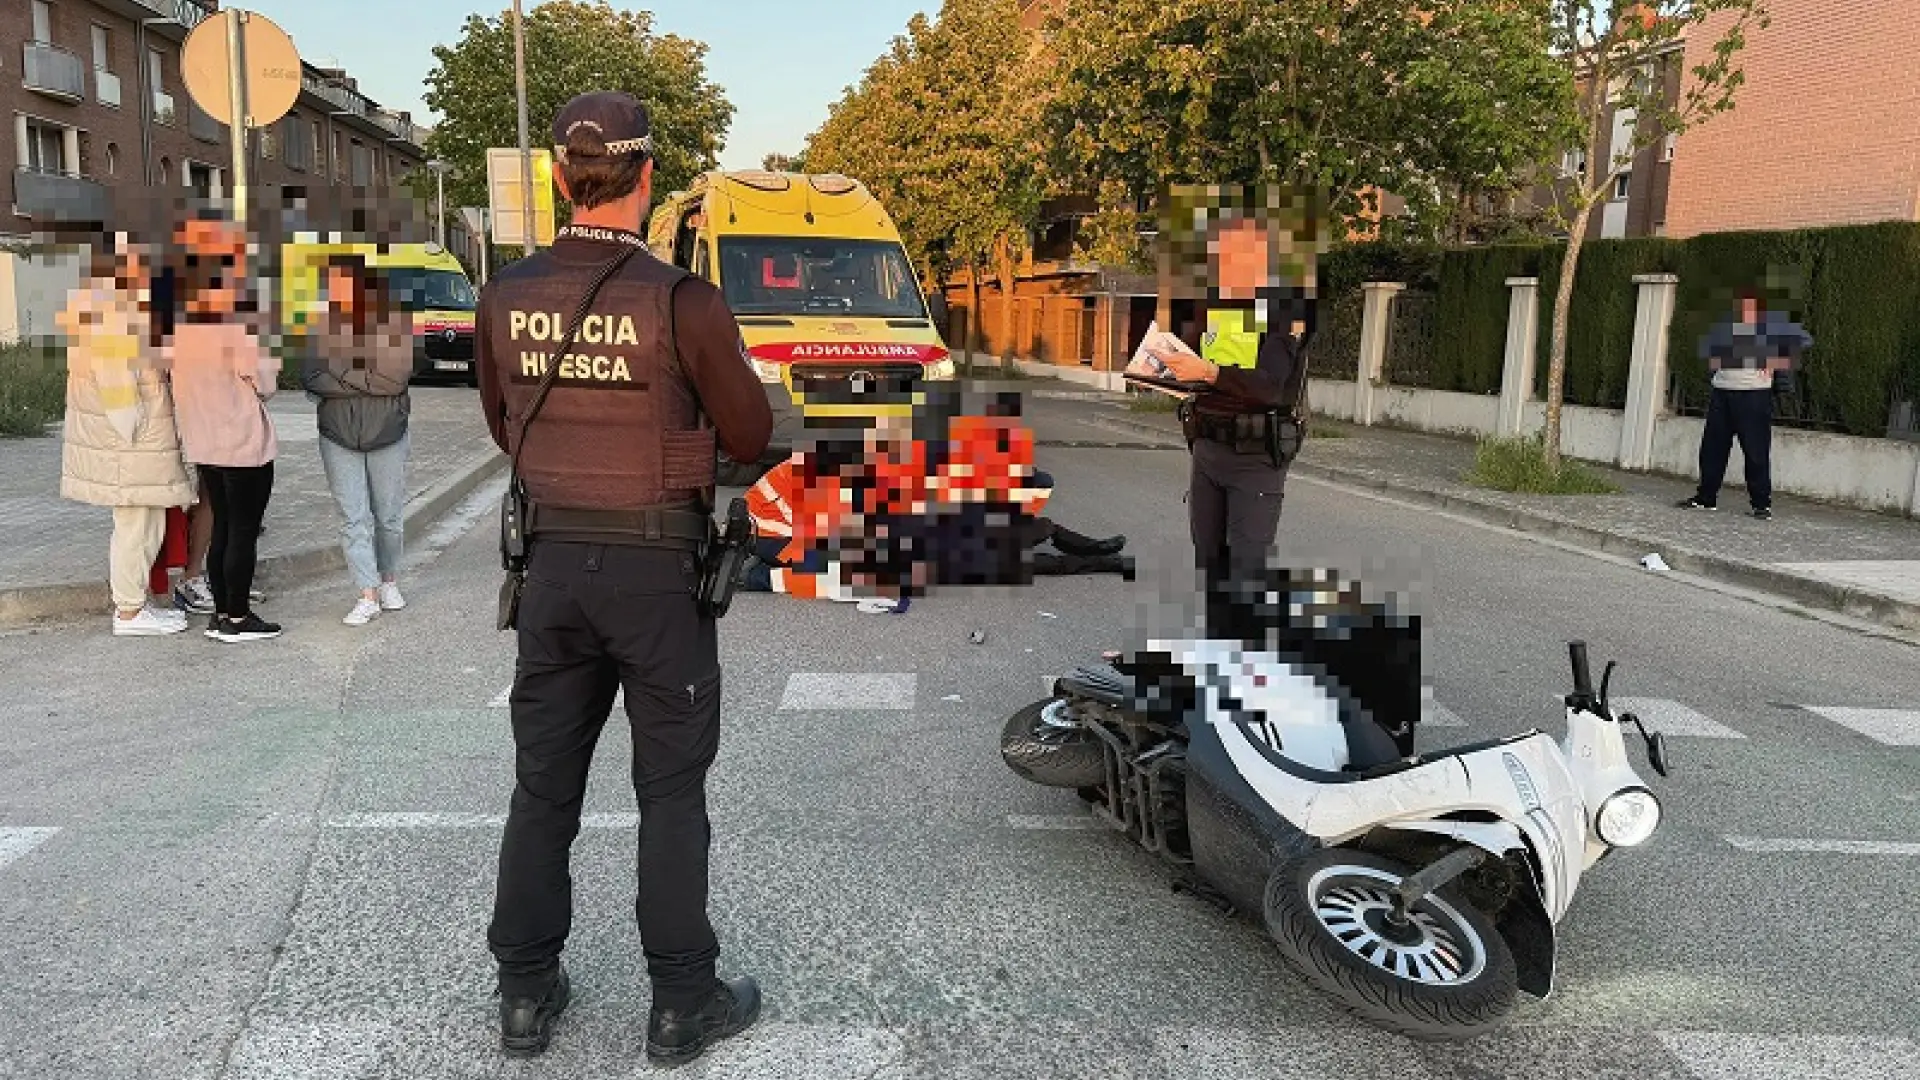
1745 354
618 466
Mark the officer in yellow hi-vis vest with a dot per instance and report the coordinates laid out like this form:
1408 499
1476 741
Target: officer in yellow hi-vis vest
1248 342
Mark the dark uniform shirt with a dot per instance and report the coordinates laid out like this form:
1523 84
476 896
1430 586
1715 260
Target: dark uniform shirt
1270 383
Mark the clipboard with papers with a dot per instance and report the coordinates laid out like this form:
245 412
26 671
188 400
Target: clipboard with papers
1146 370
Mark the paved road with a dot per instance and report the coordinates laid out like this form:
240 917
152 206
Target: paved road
276 861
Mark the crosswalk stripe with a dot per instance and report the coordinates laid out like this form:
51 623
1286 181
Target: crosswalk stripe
1761 846
1052 822
1672 718
1438 715
504 700
500 701
1889 727
1715 1056
464 821
849 691
15 842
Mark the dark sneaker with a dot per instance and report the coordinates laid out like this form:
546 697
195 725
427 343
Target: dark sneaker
216 624
251 628
526 1023
1074 543
1695 504
676 1037
1764 513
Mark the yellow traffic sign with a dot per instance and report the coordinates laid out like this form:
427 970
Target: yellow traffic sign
508 202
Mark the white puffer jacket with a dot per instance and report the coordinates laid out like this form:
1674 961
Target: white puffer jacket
122 447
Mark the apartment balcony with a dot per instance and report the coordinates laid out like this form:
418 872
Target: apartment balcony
203 126
59 197
187 13
53 71
393 125
106 88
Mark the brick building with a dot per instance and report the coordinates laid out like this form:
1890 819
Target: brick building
105 133
1825 131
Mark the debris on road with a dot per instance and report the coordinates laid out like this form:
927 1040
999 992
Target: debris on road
978 637
1654 562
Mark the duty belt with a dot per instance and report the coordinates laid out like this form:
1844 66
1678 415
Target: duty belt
666 527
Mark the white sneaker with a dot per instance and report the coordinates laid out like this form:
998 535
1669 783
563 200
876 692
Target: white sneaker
146 624
390 598
363 612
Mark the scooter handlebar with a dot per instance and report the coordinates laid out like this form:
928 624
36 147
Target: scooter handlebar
1582 675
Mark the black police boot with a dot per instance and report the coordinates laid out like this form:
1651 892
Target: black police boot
526 1023
1074 543
1113 564
675 1036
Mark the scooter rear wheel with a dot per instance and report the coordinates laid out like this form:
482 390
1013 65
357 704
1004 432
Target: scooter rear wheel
1043 746
1445 975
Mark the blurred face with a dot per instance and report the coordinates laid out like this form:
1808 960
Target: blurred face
135 269
341 294
1749 310
1243 257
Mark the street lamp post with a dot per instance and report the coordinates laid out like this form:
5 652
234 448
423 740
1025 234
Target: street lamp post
526 154
439 200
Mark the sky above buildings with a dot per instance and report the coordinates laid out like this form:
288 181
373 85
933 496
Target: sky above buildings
781 62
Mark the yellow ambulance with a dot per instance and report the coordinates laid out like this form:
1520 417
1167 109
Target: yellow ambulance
815 274
425 280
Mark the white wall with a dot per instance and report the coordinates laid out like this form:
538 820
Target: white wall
33 290
1439 410
1869 472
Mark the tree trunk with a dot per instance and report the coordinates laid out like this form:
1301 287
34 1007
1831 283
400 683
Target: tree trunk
1557 347
976 332
1003 255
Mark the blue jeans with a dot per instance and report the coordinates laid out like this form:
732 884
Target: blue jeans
371 490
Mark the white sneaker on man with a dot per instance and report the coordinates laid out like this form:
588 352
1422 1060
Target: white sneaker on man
390 598
148 623
364 611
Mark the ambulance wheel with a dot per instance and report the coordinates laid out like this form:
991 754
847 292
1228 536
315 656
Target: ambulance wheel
1044 744
1445 975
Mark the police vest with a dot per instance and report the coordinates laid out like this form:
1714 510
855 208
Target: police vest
1232 338
621 428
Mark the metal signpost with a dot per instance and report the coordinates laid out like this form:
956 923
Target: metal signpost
520 100
243 71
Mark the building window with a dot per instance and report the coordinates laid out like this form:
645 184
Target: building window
47 149
102 57
319 154
106 85
1621 185
166 170
1573 163
113 160
156 78
269 143
42 22
1666 149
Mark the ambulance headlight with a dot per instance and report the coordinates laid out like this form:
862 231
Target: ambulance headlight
940 370
767 370
1628 818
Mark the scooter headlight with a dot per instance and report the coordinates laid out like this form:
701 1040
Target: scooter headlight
1629 818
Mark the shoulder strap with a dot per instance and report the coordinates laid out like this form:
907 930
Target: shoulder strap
566 346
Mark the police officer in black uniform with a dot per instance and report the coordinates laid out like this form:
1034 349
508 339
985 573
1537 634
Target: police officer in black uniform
1249 357
617 462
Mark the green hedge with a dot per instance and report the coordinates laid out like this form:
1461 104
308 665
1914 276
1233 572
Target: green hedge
1856 289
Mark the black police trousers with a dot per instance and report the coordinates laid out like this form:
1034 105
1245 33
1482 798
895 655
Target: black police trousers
1233 507
595 619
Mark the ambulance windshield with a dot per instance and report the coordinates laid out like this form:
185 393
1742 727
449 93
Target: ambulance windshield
796 276
416 289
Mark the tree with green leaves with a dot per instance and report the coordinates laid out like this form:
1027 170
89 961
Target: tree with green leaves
788 163
1334 95
945 129
572 47
1618 53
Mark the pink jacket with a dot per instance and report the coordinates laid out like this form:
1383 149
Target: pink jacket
223 374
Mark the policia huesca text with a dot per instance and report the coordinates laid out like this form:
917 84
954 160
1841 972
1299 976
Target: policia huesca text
608 377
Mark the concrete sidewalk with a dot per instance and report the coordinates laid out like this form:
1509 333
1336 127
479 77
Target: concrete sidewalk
1860 564
53 563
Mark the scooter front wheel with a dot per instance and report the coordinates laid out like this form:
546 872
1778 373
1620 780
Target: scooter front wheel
1443 973
1045 745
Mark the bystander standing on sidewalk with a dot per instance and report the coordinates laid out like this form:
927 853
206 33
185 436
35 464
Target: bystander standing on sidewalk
1749 354
223 375
122 446
356 366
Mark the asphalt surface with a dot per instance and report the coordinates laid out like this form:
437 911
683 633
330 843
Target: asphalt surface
276 861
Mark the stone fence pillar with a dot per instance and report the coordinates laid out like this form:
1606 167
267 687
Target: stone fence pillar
1647 377
1523 346
1375 319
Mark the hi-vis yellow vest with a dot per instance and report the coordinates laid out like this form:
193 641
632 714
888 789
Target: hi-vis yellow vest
1232 338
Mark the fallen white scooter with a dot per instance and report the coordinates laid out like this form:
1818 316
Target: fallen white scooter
1422 891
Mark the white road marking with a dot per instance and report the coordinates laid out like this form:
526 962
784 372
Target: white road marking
1672 718
464 821
16 842
1760 846
501 700
504 700
1889 727
1713 1056
280 1049
1053 822
1438 715
849 691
